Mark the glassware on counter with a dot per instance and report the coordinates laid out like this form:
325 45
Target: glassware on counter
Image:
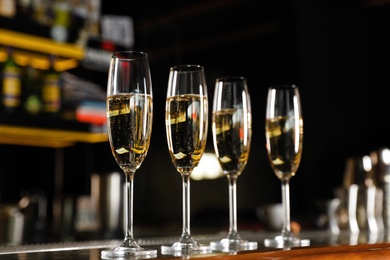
129 125
186 121
284 142
232 134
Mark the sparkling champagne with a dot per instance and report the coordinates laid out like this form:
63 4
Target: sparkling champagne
232 130
284 136
186 124
129 128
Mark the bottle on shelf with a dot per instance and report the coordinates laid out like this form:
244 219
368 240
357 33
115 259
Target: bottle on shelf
61 22
8 8
32 83
51 90
11 84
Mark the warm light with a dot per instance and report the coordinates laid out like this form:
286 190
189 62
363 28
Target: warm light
386 156
40 44
367 165
24 202
42 61
3 55
208 168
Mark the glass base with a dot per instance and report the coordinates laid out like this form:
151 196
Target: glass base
228 245
286 241
120 252
185 249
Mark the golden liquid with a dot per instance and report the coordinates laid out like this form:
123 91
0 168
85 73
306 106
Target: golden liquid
232 132
129 128
186 128
284 137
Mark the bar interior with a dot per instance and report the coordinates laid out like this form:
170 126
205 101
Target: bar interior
63 194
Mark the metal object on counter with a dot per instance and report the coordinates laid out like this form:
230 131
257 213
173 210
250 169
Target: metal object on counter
372 223
107 195
352 208
350 196
360 196
373 182
381 175
98 215
372 197
11 225
331 207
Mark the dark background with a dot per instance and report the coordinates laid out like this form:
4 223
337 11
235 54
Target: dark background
337 52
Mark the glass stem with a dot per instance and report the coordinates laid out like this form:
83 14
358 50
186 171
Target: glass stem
186 235
286 205
232 180
129 238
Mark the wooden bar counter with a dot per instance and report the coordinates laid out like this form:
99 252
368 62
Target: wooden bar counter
324 246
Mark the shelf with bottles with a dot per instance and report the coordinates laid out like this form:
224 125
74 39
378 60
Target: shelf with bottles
32 111
21 83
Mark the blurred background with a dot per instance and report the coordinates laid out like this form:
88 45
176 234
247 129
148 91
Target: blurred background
337 52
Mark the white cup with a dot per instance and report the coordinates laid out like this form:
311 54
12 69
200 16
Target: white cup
272 215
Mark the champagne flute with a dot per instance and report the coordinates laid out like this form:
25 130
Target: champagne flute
232 134
186 122
284 141
129 121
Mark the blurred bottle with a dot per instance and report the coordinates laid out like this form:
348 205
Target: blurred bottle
32 83
42 12
24 8
8 8
62 15
11 83
51 90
